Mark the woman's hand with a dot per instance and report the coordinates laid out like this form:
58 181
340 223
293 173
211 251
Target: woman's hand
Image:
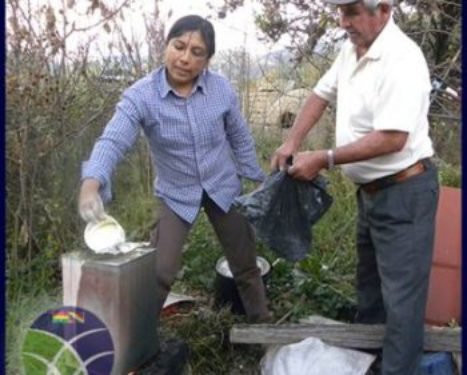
91 207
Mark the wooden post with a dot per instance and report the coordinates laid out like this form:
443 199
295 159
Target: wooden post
357 336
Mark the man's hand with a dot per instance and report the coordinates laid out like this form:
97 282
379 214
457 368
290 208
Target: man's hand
306 165
280 156
310 112
91 207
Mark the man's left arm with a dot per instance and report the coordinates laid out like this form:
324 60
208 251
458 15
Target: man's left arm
308 164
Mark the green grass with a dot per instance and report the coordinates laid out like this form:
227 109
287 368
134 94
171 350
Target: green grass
206 331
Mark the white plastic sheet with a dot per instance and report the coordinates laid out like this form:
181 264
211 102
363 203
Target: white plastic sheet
313 357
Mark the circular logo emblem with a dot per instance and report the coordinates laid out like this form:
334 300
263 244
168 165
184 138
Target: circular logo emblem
68 340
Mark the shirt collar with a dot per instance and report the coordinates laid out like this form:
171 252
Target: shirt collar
165 87
380 43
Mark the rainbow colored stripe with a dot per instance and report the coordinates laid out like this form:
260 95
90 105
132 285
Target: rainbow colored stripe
67 317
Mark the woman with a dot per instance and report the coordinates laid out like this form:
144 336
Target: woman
201 148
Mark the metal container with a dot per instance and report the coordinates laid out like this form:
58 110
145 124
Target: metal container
226 292
120 290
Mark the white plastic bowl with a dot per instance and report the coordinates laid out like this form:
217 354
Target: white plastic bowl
104 235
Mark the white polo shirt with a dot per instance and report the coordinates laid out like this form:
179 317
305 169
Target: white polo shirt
387 89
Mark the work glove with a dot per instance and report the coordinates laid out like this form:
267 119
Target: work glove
91 208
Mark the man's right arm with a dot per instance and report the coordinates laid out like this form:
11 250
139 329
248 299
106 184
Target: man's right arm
119 135
309 114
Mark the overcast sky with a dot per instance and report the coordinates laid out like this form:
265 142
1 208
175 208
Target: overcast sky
234 31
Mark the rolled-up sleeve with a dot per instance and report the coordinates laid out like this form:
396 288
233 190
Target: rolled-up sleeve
118 137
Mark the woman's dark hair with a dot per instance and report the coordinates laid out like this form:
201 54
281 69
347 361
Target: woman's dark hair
194 23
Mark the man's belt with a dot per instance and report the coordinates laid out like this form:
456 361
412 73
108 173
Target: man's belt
415 169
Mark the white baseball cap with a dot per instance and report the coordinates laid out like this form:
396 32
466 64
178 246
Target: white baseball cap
341 2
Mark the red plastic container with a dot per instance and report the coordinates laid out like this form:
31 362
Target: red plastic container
444 294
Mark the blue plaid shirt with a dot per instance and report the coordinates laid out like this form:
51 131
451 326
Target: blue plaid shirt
197 143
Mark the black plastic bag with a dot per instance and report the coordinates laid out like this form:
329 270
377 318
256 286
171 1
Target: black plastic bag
283 210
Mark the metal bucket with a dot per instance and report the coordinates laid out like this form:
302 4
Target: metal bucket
226 292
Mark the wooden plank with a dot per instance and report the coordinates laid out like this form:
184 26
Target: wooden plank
358 336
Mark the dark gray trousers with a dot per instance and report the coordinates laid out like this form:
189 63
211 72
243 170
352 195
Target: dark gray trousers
395 236
238 242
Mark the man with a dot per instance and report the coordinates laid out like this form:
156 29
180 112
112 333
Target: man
381 85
